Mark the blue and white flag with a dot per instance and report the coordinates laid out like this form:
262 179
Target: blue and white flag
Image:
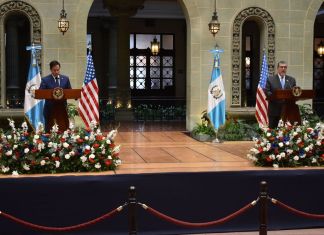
33 108
216 93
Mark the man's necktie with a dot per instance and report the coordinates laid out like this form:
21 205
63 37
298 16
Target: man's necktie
57 82
282 80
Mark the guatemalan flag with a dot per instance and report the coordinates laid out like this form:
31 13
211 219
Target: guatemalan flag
33 108
216 93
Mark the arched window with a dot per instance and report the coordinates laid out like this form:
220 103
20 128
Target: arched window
29 27
253 30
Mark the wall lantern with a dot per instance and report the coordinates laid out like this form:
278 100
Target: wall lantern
320 49
214 25
155 46
63 23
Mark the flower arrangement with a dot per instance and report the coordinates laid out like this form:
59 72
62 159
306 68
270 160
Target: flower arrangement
74 150
289 146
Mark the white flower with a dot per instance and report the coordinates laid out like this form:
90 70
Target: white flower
72 153
42 162
272 156
287 143
92 156
268 134
307 149
67 156
26 167
83 158
319 143
87 147
278 157
275 166
9 153
5 169
55 128
281 144
14 147
36 137
116 149
108 141
290 151
296 158
57 164
26 150
314 160
109 157
295 133
50 144
24 126
118 162
112 134
98 165
15 173
9 137
86 137
283 154
65 145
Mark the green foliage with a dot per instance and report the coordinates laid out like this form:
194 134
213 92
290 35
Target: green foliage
203 128
236 129
307 113
72 110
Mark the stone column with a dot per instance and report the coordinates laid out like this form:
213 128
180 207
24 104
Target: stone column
122 10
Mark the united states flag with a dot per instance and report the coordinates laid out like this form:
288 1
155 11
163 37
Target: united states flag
89 102
261 109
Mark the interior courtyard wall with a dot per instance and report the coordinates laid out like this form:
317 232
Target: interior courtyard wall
294 26
294 22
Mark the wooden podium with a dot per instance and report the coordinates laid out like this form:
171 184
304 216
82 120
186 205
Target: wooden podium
290 110
58 96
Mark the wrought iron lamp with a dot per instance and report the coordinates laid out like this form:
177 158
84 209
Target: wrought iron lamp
214 25
155 46
320 49
63 23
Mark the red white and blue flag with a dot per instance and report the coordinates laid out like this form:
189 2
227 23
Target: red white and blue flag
261 107
89 102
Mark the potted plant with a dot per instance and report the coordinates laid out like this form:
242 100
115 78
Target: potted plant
72 111
203 131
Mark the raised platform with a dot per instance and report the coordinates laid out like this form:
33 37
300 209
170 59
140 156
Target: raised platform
172 173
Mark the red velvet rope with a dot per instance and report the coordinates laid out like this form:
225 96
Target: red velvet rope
297 212
61 229
198 225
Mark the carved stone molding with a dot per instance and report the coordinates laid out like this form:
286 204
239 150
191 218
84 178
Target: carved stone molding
236 45
29 11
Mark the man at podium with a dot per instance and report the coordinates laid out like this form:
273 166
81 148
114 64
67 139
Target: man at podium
280 81
51 81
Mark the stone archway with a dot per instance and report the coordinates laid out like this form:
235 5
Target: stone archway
35 22
236 47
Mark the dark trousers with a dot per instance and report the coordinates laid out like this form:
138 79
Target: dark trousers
273 121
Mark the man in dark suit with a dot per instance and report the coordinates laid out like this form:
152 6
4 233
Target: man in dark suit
280 81
51 81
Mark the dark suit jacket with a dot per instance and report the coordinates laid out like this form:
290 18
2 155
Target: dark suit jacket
48 82
273 83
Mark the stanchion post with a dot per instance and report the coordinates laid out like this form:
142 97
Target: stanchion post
263 208
132 203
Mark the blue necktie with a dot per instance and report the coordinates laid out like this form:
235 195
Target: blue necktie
57 82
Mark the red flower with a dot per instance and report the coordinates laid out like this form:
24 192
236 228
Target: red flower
62 140
99 137
301 145
269 159
108 162
96 145
80 141
91 160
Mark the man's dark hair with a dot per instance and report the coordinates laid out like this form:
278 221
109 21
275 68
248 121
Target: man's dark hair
281 62
54 63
